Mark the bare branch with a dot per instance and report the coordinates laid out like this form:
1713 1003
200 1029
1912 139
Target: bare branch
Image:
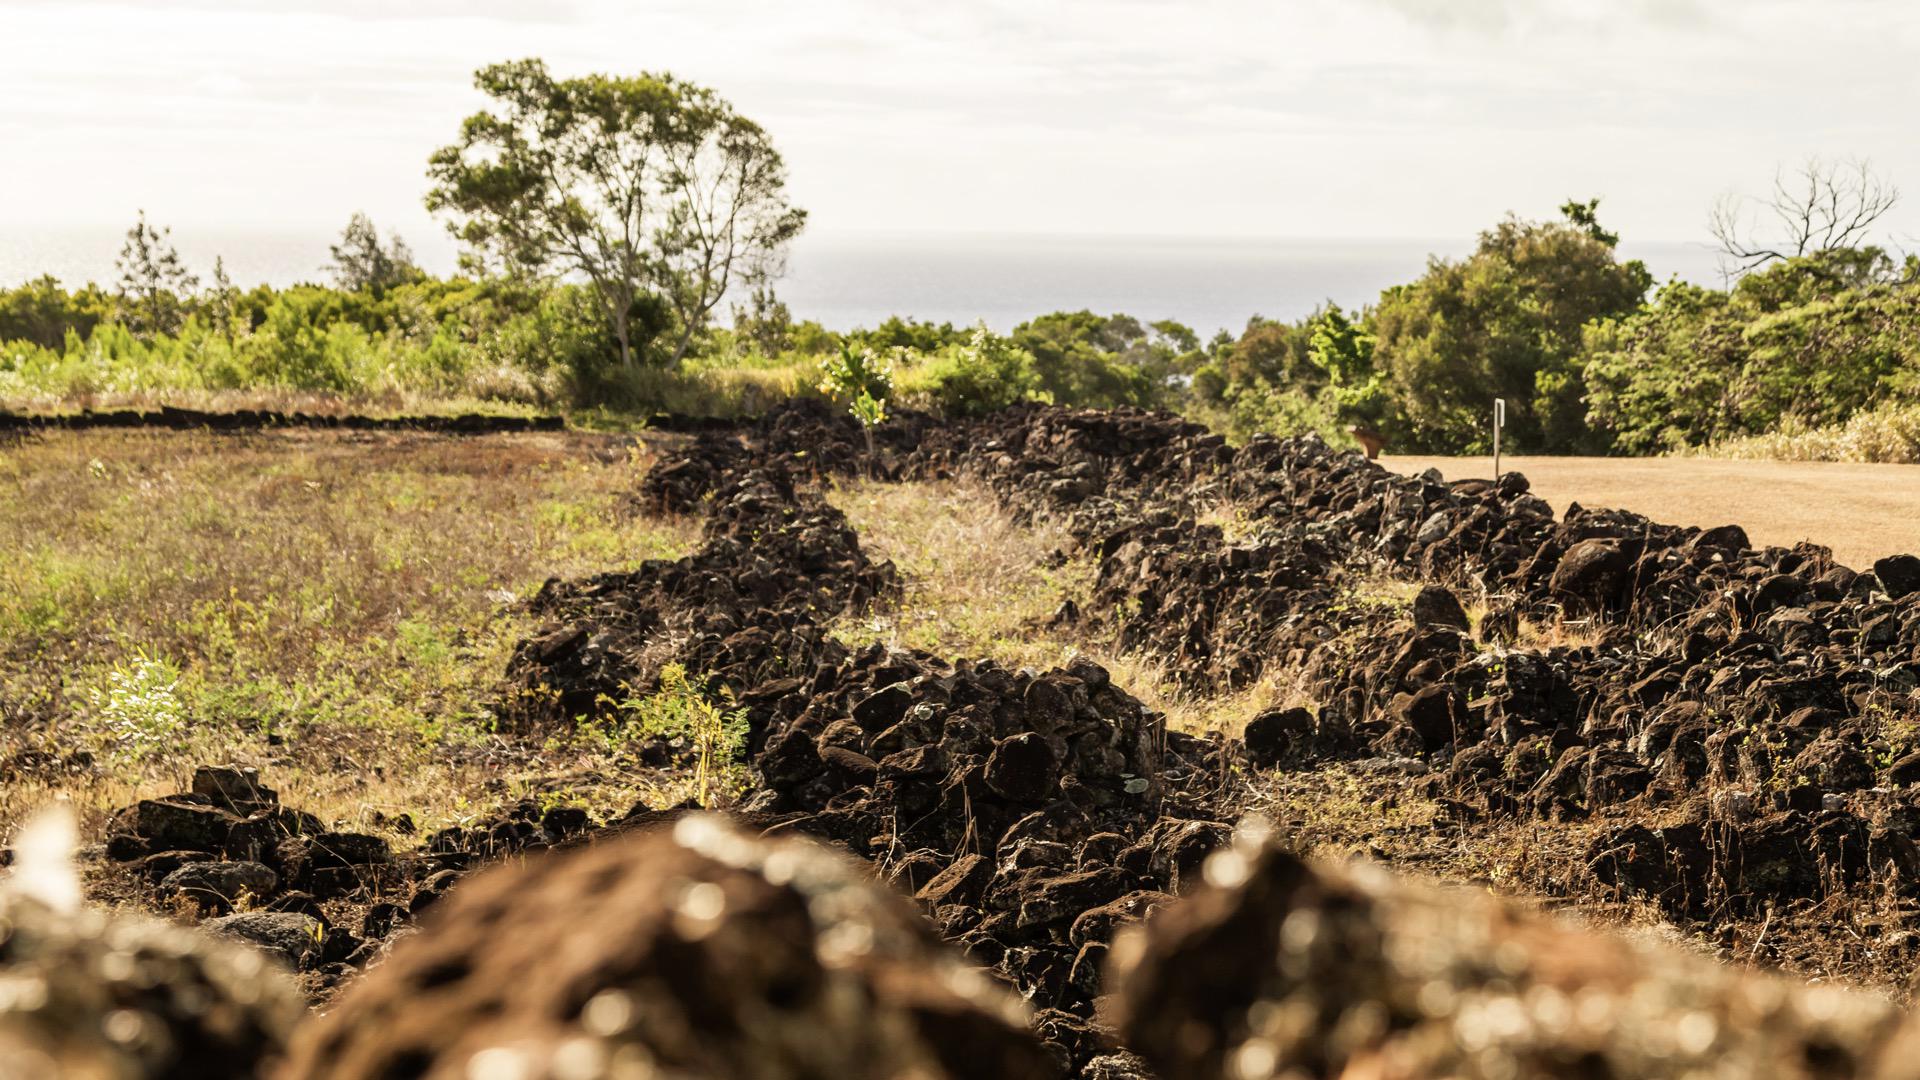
1821 206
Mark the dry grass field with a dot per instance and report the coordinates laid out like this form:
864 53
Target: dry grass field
336 607
979 584
1862 512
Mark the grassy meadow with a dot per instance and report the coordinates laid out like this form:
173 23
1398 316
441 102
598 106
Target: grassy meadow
335 608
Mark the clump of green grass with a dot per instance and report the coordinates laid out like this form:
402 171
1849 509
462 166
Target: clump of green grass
680 708
138 710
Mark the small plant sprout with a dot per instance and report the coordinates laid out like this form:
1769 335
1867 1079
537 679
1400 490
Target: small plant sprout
679 708
139 709
863 379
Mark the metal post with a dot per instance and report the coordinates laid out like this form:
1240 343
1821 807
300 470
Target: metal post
1499 421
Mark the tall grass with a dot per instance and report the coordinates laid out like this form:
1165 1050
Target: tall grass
342 359
300 365
710 389
1888 433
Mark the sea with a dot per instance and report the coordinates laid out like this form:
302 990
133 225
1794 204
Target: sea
852 280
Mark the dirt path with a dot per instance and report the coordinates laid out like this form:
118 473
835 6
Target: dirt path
1863 512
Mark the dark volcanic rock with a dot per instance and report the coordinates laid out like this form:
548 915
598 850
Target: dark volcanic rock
1022 768
1593 574
711 952
220 885
178 824
1898 575
1274 733
1285 969
292 938
233 789
1436 605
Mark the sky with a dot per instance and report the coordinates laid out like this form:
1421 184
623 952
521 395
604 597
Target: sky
1202 118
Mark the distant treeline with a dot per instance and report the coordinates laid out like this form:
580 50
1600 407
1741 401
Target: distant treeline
1542 313
603 219
539 343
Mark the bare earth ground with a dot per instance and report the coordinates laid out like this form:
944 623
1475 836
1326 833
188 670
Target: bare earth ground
1862 512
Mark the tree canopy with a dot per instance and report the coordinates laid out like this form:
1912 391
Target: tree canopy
644 185
1806 342
154 283
361 262
1504 322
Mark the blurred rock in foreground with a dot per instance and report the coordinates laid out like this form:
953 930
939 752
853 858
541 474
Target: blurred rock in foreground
1284 968
87 994
695 950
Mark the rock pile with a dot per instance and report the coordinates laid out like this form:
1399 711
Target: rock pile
1761 701
265 874
804 439
89 993
1740 727
691 950
1029 814
745 608
321 901
1280 968
1765 702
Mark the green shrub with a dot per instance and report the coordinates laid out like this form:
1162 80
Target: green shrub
1505 322
988 372
138 711
860 378
1800 347
1265 410
42 313
1084 359
911 334
679 709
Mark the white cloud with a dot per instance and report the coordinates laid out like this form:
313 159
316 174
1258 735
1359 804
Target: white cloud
1218 117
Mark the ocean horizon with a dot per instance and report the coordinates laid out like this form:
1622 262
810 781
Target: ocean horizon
850 280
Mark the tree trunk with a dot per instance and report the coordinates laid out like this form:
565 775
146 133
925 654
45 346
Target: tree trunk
680 347
623 332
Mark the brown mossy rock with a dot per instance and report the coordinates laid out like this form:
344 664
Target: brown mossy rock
1435 605
1284 968
121 997
696 949
1593 574
181 823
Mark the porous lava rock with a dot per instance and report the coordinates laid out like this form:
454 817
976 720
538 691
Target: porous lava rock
696 949
92 993
745 607
1620 666
1285 968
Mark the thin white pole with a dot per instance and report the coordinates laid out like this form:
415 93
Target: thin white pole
1499 421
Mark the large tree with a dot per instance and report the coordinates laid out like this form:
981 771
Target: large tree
643 184
1504 322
